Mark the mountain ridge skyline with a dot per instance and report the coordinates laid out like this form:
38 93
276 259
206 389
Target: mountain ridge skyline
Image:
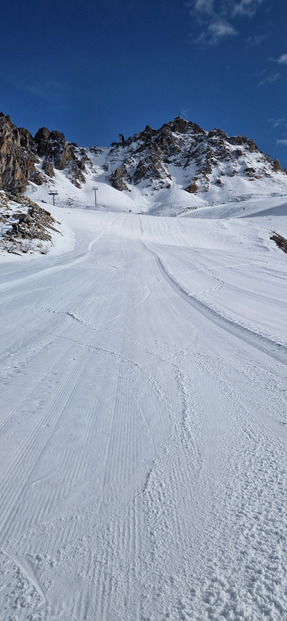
180 156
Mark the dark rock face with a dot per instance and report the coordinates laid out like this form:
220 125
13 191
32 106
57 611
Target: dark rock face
54 147
48 168
150 168
276 165
249 171
242 140
60 154
17 157
117 179
20 152
42 141
280 241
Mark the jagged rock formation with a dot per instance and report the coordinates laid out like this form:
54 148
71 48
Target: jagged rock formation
179 153
116 179
36 223
58 153
151 157
20 154
26 227
17 157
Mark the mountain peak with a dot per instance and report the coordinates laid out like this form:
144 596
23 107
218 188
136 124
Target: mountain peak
205 159
207 166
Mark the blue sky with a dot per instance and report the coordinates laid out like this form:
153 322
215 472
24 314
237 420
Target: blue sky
101 67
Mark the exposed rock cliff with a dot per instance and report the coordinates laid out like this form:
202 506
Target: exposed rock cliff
58 153
20 153
17 157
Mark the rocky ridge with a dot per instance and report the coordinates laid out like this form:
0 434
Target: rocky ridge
150 158
24 158
200 163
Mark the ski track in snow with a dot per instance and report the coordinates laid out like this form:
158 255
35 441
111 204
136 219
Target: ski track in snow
142 430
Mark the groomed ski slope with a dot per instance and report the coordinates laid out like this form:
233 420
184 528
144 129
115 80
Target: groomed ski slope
143 420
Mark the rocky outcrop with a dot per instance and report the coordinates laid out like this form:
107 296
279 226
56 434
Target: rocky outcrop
20 153
242 140
192 187
151 168
26 226
17 157
37 223
148 158
117 179
276 165
54 147
48 168
60 154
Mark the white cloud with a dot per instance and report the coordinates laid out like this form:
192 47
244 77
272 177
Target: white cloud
216 19
246 7
278 122
270 79
281 141
219 29
204 6
282 59
256 39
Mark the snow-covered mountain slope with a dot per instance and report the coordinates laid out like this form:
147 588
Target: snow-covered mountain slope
143 420
144 198
166 171
173 169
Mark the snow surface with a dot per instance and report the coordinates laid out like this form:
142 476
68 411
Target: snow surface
143 419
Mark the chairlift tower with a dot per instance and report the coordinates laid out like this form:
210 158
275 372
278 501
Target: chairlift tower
95 190
53 193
